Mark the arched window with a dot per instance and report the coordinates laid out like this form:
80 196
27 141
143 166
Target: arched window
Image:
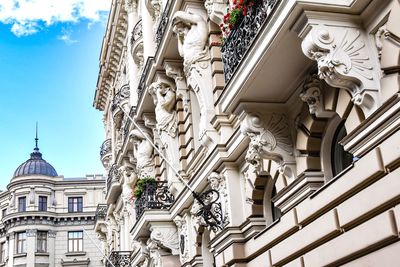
340 159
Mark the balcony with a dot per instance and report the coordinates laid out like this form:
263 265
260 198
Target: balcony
154 196
163 23
142 82
113 184
101 212
119 258
243 34
105 153
121 98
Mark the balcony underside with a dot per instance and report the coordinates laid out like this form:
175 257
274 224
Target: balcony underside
274 65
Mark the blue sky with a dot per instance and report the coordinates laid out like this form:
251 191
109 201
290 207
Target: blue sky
48 74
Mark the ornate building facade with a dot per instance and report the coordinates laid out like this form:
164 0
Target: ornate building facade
47 220
275 145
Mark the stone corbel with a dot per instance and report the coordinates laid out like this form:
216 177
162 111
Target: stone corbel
154 8
165 237
343 57
270 139
216 9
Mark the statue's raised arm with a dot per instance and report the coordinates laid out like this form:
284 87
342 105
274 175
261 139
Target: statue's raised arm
191 30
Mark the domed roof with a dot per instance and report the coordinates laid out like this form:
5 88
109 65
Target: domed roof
36 165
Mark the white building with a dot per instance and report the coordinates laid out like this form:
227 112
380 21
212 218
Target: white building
46 219
279 147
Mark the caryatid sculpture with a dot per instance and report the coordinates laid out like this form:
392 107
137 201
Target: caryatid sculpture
191 30
164 98
143 152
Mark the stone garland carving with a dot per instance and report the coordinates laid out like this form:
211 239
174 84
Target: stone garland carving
218 182
52 234
191 30
343 61
31 232
216 9
181 223
379 35
269 139
164 98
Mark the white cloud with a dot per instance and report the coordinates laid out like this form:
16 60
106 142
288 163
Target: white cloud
66 37
28 16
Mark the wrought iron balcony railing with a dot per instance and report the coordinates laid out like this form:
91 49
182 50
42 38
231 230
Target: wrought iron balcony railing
142 80
243 34
119 259
113 175
105 148
154 196
137 32
123 94
163 23
101 212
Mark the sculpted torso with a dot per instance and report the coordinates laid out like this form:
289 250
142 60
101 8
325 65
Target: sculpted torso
192 35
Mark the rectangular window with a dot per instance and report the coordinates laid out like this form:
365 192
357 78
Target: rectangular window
42 203
41 241
3 252
75 241
21 242
22 204
75 204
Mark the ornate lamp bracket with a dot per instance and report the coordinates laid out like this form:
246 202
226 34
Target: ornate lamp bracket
210 210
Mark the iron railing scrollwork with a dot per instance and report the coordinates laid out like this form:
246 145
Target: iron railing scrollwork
101 212
162 26
210 209
105 148
146 69
154 196
137 32
243 34
122 95
119 259
113 174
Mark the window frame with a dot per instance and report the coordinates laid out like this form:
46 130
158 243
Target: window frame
22 208
21 243
42 203
41 241
3 252
71 242
75 204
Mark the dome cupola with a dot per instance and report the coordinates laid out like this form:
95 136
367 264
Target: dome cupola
36 165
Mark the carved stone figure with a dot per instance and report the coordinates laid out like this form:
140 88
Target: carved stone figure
143 152
166 237
164 99
191 30
130 178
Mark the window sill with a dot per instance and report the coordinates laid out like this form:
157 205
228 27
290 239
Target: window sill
72 254
20 255
42 254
